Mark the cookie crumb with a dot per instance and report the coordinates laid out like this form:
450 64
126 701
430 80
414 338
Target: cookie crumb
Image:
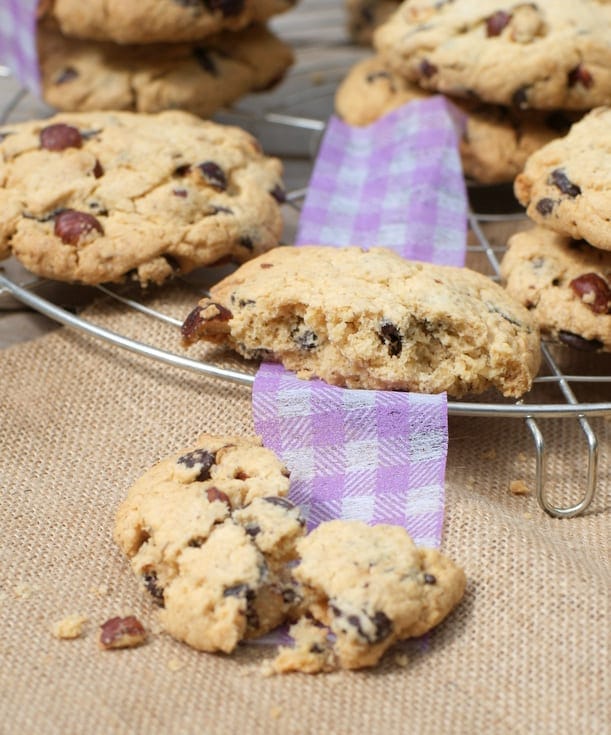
69 627
121 633
401 660
489 454
527 516
175 664
275 712
22 591
100 591
519 487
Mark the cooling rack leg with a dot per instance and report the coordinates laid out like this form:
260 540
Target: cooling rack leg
582 505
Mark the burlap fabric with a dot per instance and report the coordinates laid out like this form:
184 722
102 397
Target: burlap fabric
527 651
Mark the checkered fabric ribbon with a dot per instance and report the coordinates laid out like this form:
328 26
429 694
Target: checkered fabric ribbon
18 41
375 456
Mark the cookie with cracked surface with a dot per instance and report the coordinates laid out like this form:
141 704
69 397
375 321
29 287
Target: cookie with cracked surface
371 319
210 533
98 197
196 77
565 283
369 587
566 185
544 55
496 141
364 16
151 21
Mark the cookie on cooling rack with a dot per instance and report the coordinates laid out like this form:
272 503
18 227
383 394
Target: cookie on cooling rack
150 21
98 197
496 141
566 285
369 587
544 55
200 78
371 319
566 186
209 532
364 16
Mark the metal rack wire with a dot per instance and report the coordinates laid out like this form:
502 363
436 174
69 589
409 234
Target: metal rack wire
284 129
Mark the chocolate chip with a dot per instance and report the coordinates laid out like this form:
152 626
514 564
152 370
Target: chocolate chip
215 495
98 169
578 342
66 75
196 542
427 69
280 502
594 292
497 22
227 7
391 337
182 170
430 579
519 98
305 338
71 226
201 458
580 75
214 175
205 60
152 585
60 136
239 590
279 194
559 179
381 622
545 206
220 210
246 242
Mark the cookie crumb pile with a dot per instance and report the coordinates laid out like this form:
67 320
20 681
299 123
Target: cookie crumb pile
225 556
155 55
521 73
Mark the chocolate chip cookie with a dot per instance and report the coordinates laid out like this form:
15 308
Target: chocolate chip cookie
371 319
496 141
98 197
211 535
544 55
150 21
364 16
368 587
197 77
566 285
566 185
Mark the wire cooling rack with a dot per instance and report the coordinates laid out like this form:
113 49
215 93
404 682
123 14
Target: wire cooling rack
289 122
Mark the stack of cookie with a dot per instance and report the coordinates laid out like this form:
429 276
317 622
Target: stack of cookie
561 268
522 73
153 55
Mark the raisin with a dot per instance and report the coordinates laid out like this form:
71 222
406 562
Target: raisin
66 75
60 136
580 75
595 290
279 194
246 242
545 206
382 626
430 579
98 169
559 179
427 69
182 193
578 342
214 175
205 60
199 458
182 170
390 336
252 529
71 226
497 22
519 98
152 585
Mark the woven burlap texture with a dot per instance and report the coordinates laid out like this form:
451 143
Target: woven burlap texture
526 651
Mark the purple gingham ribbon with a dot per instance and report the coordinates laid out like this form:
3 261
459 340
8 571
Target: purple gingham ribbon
18 41
375 456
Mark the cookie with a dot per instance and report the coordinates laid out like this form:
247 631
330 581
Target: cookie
150 21
364 16
544 55
211 535
200 78
565 283
100 197
566 185
371 319
496 141
369 587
